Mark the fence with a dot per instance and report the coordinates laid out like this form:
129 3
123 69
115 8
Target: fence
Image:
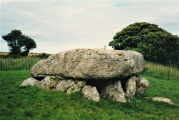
24 63
167 71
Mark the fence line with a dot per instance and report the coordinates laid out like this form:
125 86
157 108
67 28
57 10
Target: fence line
24 63
167 71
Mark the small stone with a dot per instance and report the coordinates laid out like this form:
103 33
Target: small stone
30 81
162 99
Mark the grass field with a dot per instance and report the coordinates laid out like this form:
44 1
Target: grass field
27 103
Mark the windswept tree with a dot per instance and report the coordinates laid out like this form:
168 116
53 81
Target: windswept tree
156 44
18 43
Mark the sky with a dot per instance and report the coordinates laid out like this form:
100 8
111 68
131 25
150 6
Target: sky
60 25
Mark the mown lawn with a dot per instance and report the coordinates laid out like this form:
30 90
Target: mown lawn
27 103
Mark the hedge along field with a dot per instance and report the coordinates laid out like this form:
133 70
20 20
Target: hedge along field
22 63
170 72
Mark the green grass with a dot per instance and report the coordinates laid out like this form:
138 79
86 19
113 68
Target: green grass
23 63
27 103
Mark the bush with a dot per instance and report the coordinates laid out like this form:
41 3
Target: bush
43 55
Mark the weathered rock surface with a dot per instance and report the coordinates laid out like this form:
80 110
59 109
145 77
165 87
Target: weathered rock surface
64 85
47 83
114 91
90 64
110 74
70 86
131 87
30 82
162 99
76 87
142 85
91 93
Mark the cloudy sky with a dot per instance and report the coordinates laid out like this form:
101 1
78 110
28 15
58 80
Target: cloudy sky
59 25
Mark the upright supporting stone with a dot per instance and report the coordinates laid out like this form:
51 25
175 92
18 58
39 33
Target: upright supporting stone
114 91
142 85
90 93
76 87
47 83
131 87
64 85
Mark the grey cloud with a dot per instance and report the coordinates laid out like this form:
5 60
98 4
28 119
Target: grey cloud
67 24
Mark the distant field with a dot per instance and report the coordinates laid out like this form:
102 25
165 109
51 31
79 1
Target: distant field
3 53
30 54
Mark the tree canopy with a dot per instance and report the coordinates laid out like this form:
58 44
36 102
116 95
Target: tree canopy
156 44
18 43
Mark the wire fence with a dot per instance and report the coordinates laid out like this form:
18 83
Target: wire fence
166 71
24 63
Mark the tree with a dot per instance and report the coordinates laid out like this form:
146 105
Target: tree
18 43
156 44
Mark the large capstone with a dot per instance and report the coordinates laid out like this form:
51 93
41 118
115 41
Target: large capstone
87 64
